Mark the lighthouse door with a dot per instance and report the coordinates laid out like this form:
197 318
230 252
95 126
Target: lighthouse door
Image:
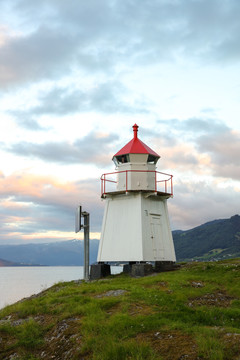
157 236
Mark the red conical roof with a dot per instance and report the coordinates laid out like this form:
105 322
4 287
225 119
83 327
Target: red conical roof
136 146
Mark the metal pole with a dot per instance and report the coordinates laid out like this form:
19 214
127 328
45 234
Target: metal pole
86 245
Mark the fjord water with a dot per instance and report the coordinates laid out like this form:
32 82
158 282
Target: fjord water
17 283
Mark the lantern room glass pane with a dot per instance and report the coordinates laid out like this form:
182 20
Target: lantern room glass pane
152 159
121 159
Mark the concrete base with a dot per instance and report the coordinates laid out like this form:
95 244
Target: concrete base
161 266
142 269
98 271
127 268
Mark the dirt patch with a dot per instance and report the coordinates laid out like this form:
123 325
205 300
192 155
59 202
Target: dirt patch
114 309
232 345
63 340
140 309
220 299
134 309
7 343
161 285
171 345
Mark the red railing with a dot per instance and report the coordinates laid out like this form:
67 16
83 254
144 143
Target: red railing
162 182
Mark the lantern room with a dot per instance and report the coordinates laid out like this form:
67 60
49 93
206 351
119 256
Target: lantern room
136 170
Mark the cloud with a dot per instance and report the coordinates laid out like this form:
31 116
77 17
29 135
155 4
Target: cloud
103 36
95 148
195 203
107 97
42 208
203 125
3 35
33 205
34 56
194 126
200 146
224 149
87 57
26 121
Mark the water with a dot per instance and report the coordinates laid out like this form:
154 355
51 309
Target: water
17 283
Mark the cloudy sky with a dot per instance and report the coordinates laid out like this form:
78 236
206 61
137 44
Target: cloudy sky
76 75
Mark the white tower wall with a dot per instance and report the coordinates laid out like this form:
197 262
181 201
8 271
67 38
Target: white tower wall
136 228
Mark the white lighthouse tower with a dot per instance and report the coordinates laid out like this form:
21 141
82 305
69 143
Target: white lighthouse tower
135 226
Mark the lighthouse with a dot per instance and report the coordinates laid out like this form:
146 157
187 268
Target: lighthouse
135 228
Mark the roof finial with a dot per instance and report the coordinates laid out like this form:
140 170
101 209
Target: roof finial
135 130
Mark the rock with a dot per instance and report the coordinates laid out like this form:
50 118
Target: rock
112 293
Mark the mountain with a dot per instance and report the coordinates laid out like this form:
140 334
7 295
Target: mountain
9 263
213 240
64 253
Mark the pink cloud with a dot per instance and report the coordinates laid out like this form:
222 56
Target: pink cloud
36 206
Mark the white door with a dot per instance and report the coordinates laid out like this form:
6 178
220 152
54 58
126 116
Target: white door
157 236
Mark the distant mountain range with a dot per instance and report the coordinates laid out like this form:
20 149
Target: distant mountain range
215 240
8 263
64 253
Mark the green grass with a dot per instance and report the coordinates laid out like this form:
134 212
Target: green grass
193 311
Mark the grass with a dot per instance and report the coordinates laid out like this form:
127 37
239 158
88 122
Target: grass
191 313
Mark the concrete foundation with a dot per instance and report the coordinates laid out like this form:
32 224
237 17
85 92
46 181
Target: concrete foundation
99 271
161 266
142 269
127 268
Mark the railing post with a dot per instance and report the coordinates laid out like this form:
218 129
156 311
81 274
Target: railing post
126 180
171 186
155 181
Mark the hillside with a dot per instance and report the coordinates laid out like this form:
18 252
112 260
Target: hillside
4 263
214 240
192 313
8 263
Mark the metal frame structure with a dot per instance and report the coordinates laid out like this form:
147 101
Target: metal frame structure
167 182
85 226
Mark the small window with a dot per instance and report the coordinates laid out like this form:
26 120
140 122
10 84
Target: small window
152 159
122 159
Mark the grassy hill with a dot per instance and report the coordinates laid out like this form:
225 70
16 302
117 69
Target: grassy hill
192 313
214 240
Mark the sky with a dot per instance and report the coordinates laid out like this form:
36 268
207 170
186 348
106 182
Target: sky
75 76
